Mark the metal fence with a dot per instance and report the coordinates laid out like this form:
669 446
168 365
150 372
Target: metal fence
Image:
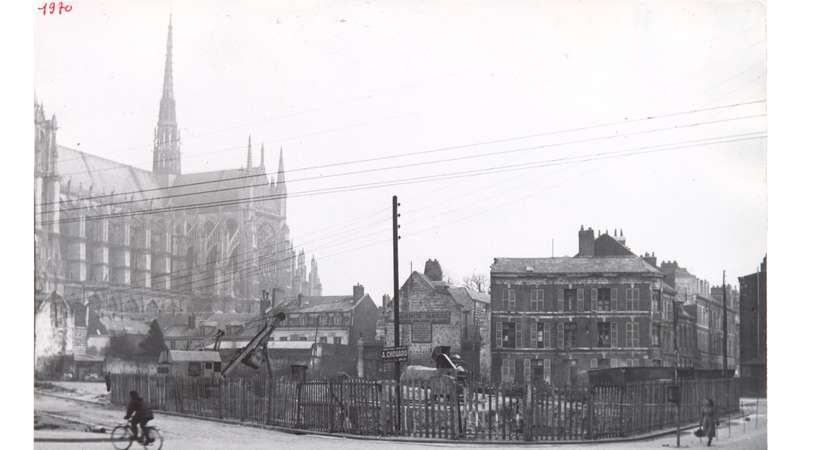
435 409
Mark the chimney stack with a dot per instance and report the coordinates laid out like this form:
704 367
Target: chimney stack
432 270
357 291
586 242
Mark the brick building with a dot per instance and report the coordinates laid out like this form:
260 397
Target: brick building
433 313
553 319
753 334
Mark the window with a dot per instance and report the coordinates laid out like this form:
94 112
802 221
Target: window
527 370
537 299
614 336
282 338
632 299
581 299
632 334
654 335
508 338
507 371
537 370
338 340
603 334
614 306
163 369
543 335
593 364
322 339
594 299
570 335
509 299
194 369
546 369
655 306
560 334
570 299
604 299
208 365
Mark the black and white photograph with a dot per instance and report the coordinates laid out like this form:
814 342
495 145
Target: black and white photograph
331 225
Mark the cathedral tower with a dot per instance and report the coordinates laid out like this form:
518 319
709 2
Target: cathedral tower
166 153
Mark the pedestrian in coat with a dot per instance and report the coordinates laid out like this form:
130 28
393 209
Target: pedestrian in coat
708 421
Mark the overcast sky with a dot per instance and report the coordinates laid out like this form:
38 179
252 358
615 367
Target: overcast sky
343 81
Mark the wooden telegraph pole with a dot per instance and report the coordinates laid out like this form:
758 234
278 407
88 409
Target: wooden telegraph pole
724 322
677 386
396 301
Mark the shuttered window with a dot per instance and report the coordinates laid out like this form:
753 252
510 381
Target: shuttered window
532 334
614 304
580 299
560 298
527 370
560 335
546 370
594 299
614 335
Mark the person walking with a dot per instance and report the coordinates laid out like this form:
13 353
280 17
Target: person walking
708 421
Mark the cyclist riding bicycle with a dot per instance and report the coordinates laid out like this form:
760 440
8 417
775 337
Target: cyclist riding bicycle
141 415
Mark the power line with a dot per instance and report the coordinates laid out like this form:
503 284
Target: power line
367 186
423 163
444 149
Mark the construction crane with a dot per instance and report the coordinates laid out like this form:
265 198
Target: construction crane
217 342
255 352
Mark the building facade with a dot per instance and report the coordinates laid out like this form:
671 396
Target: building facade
553 319
753 334
434 313
131 240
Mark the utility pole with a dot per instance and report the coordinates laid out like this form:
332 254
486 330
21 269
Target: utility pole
724 322
396 300
676 372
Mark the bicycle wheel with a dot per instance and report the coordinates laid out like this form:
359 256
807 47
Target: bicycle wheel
157 437
121 437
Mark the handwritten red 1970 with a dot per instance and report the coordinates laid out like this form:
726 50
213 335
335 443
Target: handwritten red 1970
55 8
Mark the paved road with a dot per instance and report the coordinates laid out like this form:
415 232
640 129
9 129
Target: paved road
184 433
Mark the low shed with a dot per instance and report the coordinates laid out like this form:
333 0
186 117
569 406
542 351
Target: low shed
190 363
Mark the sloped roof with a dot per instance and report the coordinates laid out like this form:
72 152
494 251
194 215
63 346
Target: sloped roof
559 265
325 303
218 186
104 175
123 325
190 356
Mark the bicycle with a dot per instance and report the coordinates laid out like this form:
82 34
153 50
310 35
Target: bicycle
122 439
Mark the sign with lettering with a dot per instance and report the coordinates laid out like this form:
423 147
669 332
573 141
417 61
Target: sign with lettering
422 332
395 353
437 317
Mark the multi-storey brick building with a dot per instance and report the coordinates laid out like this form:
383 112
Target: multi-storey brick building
704 304
753 335
553 319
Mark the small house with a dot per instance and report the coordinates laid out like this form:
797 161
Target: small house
190 363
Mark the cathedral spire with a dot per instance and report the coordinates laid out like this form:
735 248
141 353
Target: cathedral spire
167 85
166 154
262 155
280 179
249 153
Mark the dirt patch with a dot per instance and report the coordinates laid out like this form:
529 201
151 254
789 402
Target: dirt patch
46 386
51 423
